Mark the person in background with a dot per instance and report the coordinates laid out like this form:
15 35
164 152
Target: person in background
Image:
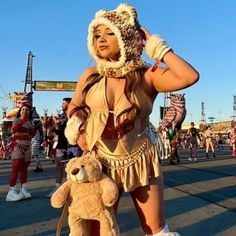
22 132
166 143
209 141
220 141
48 126
229 140
36 144
6 139
233 139
172 136
193 136
61 144
74 151
112 103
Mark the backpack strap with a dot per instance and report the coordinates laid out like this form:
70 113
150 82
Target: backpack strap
61 221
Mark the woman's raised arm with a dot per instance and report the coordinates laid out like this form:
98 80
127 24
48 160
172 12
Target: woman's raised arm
178 74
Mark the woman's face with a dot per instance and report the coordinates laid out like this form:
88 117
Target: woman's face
106 43
24 111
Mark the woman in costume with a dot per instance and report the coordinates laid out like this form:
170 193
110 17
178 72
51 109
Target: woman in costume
36 143
233 138
22 132
112 103
209 141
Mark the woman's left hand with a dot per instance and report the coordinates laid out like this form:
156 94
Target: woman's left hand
146 33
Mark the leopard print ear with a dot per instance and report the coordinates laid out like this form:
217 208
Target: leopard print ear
128 13
100 13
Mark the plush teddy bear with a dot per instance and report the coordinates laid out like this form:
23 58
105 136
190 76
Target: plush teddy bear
89 194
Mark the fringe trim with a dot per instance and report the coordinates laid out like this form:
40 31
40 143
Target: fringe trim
134 170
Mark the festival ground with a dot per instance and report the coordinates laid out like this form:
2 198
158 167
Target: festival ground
200 200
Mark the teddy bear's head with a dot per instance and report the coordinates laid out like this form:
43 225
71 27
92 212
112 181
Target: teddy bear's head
84 169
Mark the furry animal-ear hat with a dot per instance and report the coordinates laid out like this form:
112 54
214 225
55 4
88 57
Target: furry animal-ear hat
123 22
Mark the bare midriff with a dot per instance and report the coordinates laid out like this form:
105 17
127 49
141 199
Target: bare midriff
110 132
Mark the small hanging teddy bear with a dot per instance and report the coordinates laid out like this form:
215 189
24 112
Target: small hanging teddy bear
89 195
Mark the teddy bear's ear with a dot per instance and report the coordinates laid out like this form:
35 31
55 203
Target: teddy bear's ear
128 12
96 162
100 13
94 169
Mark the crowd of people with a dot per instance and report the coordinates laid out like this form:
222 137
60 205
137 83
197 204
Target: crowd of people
205 138
28 137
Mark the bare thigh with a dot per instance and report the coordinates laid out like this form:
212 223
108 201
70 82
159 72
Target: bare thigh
148 201
208 144
212 146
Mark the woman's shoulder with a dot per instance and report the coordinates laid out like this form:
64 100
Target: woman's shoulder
89 71
86 73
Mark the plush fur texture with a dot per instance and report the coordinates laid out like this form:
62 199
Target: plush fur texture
72 129
90 195
156 47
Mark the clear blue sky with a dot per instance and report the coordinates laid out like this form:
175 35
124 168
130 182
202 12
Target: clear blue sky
202 32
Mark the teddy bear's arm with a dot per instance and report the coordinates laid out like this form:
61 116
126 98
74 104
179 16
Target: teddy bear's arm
109 191
59 198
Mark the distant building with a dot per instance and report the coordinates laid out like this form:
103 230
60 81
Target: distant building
223 127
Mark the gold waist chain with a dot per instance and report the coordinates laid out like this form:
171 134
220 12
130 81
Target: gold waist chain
119 163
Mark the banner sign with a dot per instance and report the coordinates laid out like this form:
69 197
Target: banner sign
40 85
222 127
